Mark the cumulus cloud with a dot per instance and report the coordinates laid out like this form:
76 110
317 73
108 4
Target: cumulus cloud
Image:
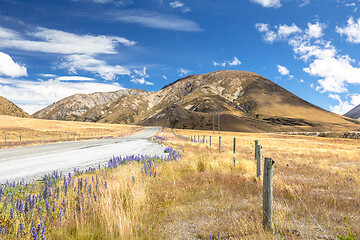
283 70
334 70
10 68
164 77
315 30
35 95
268 3
234 62
285 30
351 31
344 106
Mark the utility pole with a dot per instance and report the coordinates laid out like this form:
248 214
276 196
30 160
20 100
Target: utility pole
219 122
213 123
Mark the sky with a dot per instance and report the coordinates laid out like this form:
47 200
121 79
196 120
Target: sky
53 49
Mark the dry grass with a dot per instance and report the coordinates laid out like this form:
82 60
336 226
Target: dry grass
204 192
38 131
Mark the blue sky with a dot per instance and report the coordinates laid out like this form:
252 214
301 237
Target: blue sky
53 49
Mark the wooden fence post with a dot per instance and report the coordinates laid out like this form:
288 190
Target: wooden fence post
234 150
258 160
198 138
268 193
33 137
220 143
210 141
5 138
20 138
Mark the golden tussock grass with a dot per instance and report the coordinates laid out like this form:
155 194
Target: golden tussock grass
39 131
204 192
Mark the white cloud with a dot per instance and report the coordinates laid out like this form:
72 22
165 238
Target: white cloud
352 30
155 20
6 33
48 75
334 70
285 30
304 3
268 3
90 64
74 78
335 73
234 62
141 73
164 77
10 68
315 30
116 2
223 64
55 41
34 95
344 106
183 72
283 70
141 81
140 76
178 4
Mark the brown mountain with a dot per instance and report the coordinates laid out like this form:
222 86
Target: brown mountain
245 101
9 108
72 107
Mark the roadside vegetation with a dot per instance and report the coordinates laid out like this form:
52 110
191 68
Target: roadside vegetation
16 132
198 192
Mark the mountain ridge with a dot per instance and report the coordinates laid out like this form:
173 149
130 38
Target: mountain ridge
245 101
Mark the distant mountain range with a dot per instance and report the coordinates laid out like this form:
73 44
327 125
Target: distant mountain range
243 101
354 113
9 108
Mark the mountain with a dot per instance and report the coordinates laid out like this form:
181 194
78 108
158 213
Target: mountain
244 101
72 107
354 113
9 108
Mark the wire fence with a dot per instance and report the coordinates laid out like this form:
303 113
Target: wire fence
286 224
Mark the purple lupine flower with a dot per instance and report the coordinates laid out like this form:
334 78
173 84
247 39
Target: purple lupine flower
133 179
21 226
34 233
54 207
43 233
105 184
11 214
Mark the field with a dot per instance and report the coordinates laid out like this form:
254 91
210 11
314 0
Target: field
27 131
200 192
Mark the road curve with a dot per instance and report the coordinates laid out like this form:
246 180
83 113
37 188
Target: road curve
31 163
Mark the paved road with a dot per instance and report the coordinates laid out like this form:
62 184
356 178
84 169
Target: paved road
31 163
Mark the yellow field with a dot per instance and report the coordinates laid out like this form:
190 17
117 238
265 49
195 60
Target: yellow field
38 131
204 193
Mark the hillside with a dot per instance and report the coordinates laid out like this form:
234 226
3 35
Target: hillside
10 109
245 101
72 107
354 113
